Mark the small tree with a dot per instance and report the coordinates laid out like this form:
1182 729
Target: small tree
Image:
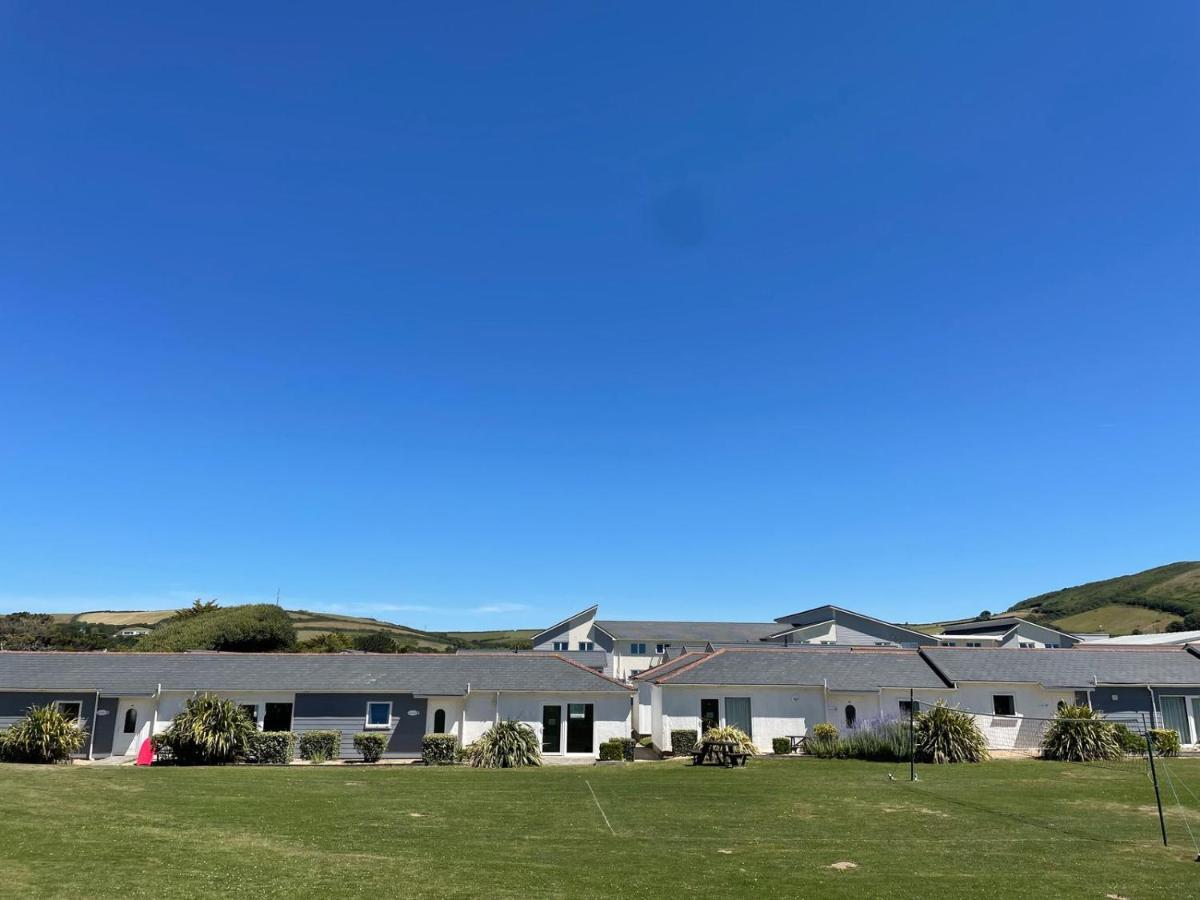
376 642
210 731
985 615
1078 734
44 735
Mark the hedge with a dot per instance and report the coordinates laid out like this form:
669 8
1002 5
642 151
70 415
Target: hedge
271 748
612 750
781 745
370 745
439 749
320 746
683 740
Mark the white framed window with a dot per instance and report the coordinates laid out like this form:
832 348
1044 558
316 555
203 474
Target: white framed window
974 644
1026 645
561 646
1004 705
660 649
379 715
72 709
587 645
637 649
1082 698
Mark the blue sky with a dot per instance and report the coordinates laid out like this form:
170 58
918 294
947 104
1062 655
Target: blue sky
472 317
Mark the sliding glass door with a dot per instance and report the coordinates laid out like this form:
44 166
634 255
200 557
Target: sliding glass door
1175 716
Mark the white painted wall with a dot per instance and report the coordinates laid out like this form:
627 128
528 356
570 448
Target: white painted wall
610 713
1023 731
573 633
171 703
454 709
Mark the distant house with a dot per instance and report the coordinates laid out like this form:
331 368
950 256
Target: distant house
1004 631
132 632
1148 640
123 698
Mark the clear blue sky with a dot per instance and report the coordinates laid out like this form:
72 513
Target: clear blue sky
472 317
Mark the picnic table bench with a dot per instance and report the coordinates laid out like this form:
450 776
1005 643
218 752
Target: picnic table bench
720 753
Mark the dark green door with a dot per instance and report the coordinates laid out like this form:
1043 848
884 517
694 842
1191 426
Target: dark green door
710 714
579 728
551 729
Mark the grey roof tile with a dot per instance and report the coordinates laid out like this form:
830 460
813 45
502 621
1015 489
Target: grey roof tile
841 668
1075 667
626 629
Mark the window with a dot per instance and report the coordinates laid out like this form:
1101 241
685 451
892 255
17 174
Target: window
1052 646
949 644
910 707
587 645
130 721
851 715
1026 645
72 709
660 649
561 646
439 722
251 712
1004 705
278 717
637 649
379 715
710 714
1082 698
974 644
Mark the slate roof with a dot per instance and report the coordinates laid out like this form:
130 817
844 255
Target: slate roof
1170 637
700 632
594 659
840 668
417 673
1076 667
670 666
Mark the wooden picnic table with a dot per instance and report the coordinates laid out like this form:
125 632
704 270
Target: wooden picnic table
720 753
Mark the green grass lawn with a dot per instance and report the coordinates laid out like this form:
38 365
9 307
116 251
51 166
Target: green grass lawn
771 829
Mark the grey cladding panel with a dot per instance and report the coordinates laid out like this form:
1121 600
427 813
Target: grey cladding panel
347 713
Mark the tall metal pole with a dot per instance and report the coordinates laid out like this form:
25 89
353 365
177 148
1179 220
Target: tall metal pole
912 740
1162 822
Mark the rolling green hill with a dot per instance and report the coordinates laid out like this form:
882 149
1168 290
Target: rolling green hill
1147 601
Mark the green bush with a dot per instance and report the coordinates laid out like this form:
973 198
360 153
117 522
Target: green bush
646 741
506 745
628 747
611 751
1166 741
883 741
824 747
271 748
683 740
781 746
44 735
823 731
370 744
209 731
1131 742
439 749
1078 734
947 735
732 734
320 746
5 750
259 627
326 642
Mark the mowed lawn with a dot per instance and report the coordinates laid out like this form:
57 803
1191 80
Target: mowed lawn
772 829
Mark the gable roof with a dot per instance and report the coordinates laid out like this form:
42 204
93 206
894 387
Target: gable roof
698 632
1169 637
838 668
830 612
1075 667
1000 623
417 673
672 665
591 610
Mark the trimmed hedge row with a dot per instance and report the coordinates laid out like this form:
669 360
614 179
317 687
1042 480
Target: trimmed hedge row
611 751
371 745
683 740
439 749
781 746
271 748
320 746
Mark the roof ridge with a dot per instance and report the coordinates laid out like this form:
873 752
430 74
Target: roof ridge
591 671
703 659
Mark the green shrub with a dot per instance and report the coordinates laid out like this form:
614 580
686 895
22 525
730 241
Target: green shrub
1078 734
326 642
1166 741
271 748
370 744
823 747
506 745
5 748
209 731
731 733
683 740
781 746
1131 742
882 741
823 731
628 747
260 627
44 735
646 741
612 751
439 749
320 746
947 735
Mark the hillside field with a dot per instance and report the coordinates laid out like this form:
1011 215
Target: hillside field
777 828
1117 618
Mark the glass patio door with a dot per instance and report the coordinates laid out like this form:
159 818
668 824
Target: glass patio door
737 713
1175 716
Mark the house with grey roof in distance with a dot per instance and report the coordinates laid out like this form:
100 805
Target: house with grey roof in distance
1004 631
633 646
124 698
